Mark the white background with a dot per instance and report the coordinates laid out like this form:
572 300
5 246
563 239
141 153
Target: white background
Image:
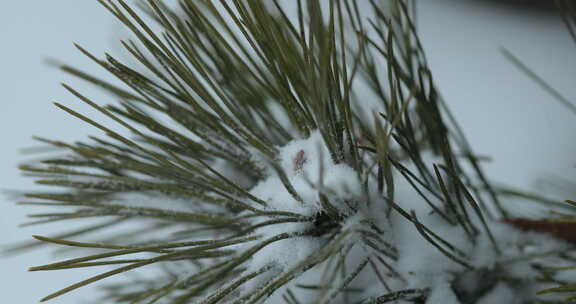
504 114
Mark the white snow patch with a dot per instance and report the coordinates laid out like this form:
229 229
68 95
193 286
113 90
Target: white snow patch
500 294
420 262
310 170
285 253
442 293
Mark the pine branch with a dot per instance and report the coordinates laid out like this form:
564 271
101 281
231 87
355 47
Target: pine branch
285 154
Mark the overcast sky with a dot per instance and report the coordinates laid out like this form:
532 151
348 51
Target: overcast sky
504 114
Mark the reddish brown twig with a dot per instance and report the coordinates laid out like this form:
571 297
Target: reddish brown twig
299 161
565 230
